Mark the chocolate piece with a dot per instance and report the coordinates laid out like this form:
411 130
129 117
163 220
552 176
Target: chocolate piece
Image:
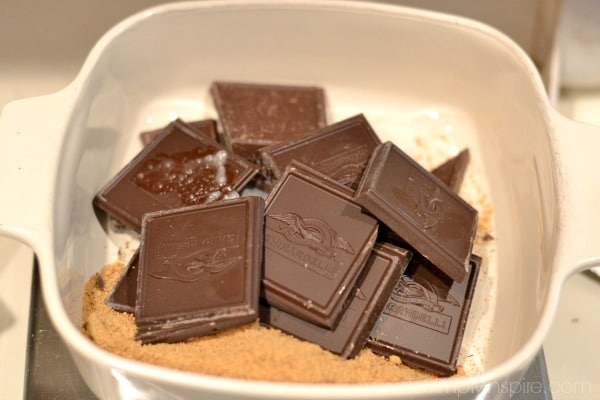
316 243
453 170
418 207
381 272
122 296
206 127
258 115
179 168
340 151
424 320
199 269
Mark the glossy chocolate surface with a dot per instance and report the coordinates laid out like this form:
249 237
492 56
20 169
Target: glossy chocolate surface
257 115
199 269
205 127
340 150
316 244
424 319
383 269
419 208
179 168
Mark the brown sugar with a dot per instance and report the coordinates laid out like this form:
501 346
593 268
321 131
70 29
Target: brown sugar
249 352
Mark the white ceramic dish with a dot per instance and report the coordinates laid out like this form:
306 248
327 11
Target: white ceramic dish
57 150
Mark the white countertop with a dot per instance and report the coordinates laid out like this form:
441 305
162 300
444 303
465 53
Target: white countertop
570 349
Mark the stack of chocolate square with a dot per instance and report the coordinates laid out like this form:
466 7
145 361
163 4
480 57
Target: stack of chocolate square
355 245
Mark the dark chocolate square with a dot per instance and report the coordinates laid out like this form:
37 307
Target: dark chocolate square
199 269
257 115
316 243
419 208
424 319
383 269
340 150
179 168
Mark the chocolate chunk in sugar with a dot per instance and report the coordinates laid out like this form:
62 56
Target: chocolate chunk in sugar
199 269
179 168
205 127
383 269
340 150
452 171
257 115
122 296
316 244
419 208
424 319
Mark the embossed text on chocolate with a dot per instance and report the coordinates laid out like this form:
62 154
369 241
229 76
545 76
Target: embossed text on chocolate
198 257
301 255
427 319
413 302
213 240
346 167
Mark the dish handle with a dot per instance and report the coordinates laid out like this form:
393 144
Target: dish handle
577 151
30 143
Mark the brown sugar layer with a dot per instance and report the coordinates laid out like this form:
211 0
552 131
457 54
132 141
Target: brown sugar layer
272 355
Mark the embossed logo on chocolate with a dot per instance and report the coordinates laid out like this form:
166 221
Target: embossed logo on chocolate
346 167
194 177
420 304
198 257
310 242
427 202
